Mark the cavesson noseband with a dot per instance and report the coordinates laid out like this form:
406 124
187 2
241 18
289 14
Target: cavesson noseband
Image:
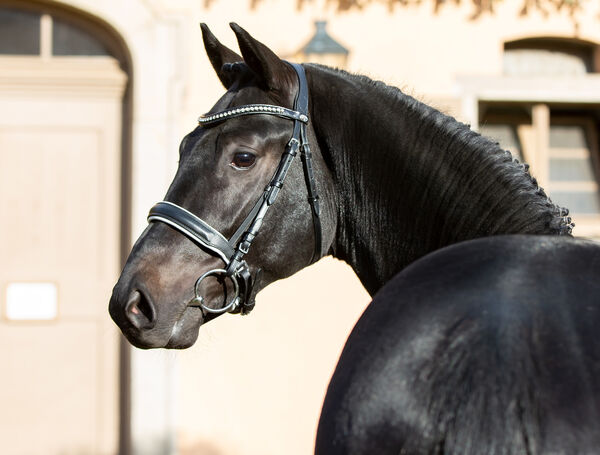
232 251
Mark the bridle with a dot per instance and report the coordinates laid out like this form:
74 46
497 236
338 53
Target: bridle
232 251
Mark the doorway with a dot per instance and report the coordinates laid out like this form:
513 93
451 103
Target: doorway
63 88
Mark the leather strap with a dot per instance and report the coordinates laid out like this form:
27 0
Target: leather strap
192 227
313 200
249 109
301 104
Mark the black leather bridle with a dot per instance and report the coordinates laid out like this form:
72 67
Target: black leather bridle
232 251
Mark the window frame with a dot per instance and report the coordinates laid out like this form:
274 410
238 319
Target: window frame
533 132
587 224
89 25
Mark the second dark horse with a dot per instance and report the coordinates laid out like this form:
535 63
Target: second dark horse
480 339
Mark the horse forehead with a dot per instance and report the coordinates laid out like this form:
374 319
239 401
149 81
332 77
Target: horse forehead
239 97
249 94
252 127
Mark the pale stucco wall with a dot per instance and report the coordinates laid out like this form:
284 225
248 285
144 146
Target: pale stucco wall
254 385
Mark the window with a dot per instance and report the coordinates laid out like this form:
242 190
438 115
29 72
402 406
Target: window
23 32
572 176
561 146
69 39
19 32
506 135
548 57
504 124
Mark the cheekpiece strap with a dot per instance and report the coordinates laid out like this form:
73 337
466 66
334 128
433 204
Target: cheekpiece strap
248 109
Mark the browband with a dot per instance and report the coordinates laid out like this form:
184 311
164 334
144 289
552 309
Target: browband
248 109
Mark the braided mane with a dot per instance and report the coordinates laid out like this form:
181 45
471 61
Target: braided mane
416 179
487 158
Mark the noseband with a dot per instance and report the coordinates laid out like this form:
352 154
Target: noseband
232 251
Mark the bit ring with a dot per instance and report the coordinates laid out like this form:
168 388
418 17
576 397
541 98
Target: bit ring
198 300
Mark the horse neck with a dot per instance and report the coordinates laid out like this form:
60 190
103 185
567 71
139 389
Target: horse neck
409 180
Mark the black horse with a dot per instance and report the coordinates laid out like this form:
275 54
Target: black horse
477 342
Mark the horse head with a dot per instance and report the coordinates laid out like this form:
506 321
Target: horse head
219 236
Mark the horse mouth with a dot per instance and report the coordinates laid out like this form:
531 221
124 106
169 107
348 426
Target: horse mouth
181 334
184 332
168 318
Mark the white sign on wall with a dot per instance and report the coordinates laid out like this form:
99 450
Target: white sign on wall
31 301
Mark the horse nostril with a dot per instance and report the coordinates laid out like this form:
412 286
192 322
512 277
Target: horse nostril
140 311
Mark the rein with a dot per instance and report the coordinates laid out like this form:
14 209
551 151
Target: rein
232 251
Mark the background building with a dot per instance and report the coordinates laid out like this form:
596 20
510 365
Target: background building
94 98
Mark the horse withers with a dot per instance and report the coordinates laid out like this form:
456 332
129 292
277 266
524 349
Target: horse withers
473 321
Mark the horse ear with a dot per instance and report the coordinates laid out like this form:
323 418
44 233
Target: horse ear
273 72
219 55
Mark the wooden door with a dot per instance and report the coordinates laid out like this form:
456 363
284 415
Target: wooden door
60 157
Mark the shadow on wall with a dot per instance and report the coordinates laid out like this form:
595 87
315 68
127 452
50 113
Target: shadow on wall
572 8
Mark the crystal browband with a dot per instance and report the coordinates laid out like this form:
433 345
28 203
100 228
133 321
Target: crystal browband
253 109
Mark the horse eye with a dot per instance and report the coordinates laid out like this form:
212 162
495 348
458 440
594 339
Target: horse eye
243 160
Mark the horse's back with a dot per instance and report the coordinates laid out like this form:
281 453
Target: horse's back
488 346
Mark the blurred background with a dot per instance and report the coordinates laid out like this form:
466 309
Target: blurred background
95 96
